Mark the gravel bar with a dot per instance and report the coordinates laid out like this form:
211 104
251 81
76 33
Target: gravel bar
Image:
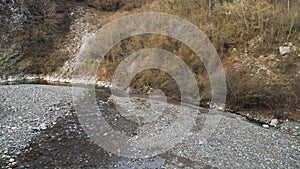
25 110
37 121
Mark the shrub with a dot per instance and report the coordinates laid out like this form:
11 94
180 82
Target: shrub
250 93
280 100
242 90
114 5
56 60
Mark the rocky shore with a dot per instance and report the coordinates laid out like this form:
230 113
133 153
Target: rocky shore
50 80
40 129
25 111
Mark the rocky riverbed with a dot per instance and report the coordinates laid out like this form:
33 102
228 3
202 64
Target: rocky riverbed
40 129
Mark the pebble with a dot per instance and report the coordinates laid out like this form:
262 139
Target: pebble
5 156
265 126
43 126
13 165
274 122
11 160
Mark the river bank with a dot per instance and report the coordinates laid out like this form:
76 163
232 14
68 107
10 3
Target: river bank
256 116
40 129
41 79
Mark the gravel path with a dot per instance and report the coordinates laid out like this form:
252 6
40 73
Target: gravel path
39 129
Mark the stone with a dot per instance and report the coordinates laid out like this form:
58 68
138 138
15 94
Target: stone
274 122
43 126
283 50
13 165
5 156
11 160
265 126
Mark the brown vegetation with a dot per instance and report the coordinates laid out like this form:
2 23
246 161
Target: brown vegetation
114 5
247 35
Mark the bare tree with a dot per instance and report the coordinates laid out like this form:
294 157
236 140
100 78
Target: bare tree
288 6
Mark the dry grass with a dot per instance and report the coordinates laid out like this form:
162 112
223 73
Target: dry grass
242 32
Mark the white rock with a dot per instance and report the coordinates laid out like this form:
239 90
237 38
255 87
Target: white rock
274 122
5 156
43 126
11 160
283 50
265 126
13 164
296 127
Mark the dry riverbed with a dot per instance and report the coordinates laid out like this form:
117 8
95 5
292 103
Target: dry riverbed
40 129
